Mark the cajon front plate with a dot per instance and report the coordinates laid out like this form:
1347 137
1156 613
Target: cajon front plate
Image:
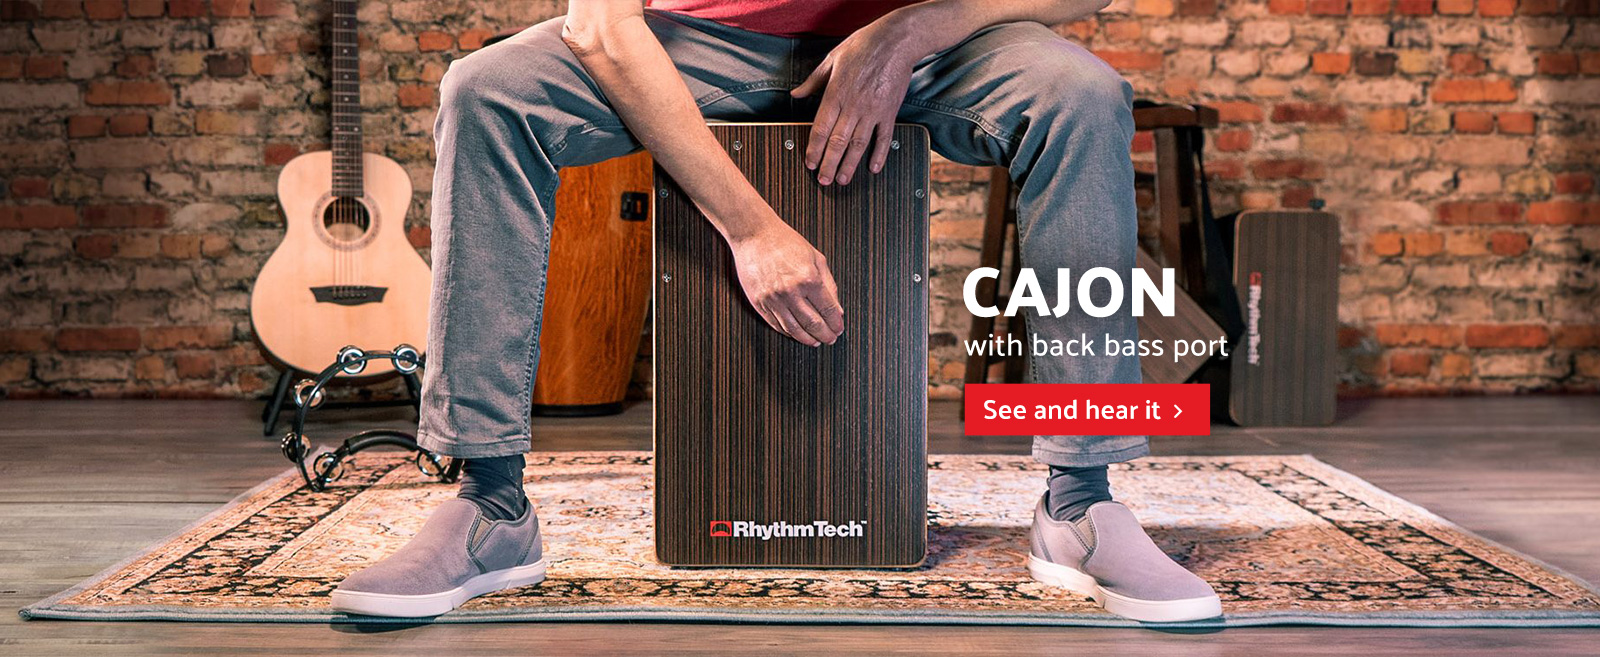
769 452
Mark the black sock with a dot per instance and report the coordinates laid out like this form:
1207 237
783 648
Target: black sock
1074 490
495 485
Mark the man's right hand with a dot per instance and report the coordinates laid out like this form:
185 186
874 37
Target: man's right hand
788 282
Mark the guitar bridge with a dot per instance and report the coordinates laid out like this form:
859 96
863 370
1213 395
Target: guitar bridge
348 295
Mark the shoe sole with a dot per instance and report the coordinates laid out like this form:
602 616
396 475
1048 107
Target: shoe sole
1148 611
433 604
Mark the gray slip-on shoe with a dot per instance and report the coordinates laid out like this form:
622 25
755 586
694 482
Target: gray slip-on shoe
458 555
1107 556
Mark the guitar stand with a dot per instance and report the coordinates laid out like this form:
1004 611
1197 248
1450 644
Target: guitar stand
280 394
329 466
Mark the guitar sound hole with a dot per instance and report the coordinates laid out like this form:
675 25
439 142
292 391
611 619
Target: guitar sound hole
346 219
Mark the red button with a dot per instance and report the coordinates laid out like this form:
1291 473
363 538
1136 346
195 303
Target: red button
1088 409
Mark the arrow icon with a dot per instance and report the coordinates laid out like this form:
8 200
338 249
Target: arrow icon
1180 411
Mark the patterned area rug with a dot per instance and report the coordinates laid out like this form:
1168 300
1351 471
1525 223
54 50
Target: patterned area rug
1285 539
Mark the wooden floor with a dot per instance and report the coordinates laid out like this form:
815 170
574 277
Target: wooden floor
89 483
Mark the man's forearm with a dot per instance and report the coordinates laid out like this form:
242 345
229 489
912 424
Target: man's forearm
930 27
643 85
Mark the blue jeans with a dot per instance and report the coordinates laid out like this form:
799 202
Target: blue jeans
512 114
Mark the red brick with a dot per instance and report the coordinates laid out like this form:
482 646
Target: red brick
434 40
421 237
1234 111
1297 196
1455 7
1414 7
1466 63
1350 337
265 65
1558 63
1479 212
1233 140
227 65
37 217
186 8
1474 122
1417 335
1369 7
473 39
1516 123
278 154
1507 336
86 125
1589 62
10 67
64 9
163 338
1392 119
1574 183
1287 7
1496 8
1287 168
95 247
146 8
1131 60
1386 244
1307 113
1474 91
230 8
1422 245
43 68
1508 243
20 340
1577 336
1564 212
1197 7
1327 7
30 187
136 66
415 95
1330 63
180 247
102 10
130 125
270 8
195 366
112 338
1144 142
1410 363
125 216
127 93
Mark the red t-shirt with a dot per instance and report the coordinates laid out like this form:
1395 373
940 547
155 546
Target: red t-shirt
786 17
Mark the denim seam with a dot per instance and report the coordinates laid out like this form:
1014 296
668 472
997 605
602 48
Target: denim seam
701 102
977 119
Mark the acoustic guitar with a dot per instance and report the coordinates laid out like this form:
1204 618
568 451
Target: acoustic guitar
345 273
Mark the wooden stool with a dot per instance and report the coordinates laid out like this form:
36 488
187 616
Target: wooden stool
757 435
1180 203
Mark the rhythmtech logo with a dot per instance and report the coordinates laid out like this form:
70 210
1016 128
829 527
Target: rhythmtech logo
781 529
1253 320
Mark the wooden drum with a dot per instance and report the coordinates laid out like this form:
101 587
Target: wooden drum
598 290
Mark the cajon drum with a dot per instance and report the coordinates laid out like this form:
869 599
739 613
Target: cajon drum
1286 271
769 452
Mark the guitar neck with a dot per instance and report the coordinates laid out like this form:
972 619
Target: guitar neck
346 68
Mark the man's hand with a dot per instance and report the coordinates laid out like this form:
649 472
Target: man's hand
788 282
865 77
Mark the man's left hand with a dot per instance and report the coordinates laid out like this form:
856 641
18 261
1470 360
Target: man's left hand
864 80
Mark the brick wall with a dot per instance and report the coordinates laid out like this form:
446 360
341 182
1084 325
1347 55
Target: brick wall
140 141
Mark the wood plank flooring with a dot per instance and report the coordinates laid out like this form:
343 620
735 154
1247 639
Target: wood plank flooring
88 483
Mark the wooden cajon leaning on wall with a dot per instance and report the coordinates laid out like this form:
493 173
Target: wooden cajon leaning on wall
769 452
